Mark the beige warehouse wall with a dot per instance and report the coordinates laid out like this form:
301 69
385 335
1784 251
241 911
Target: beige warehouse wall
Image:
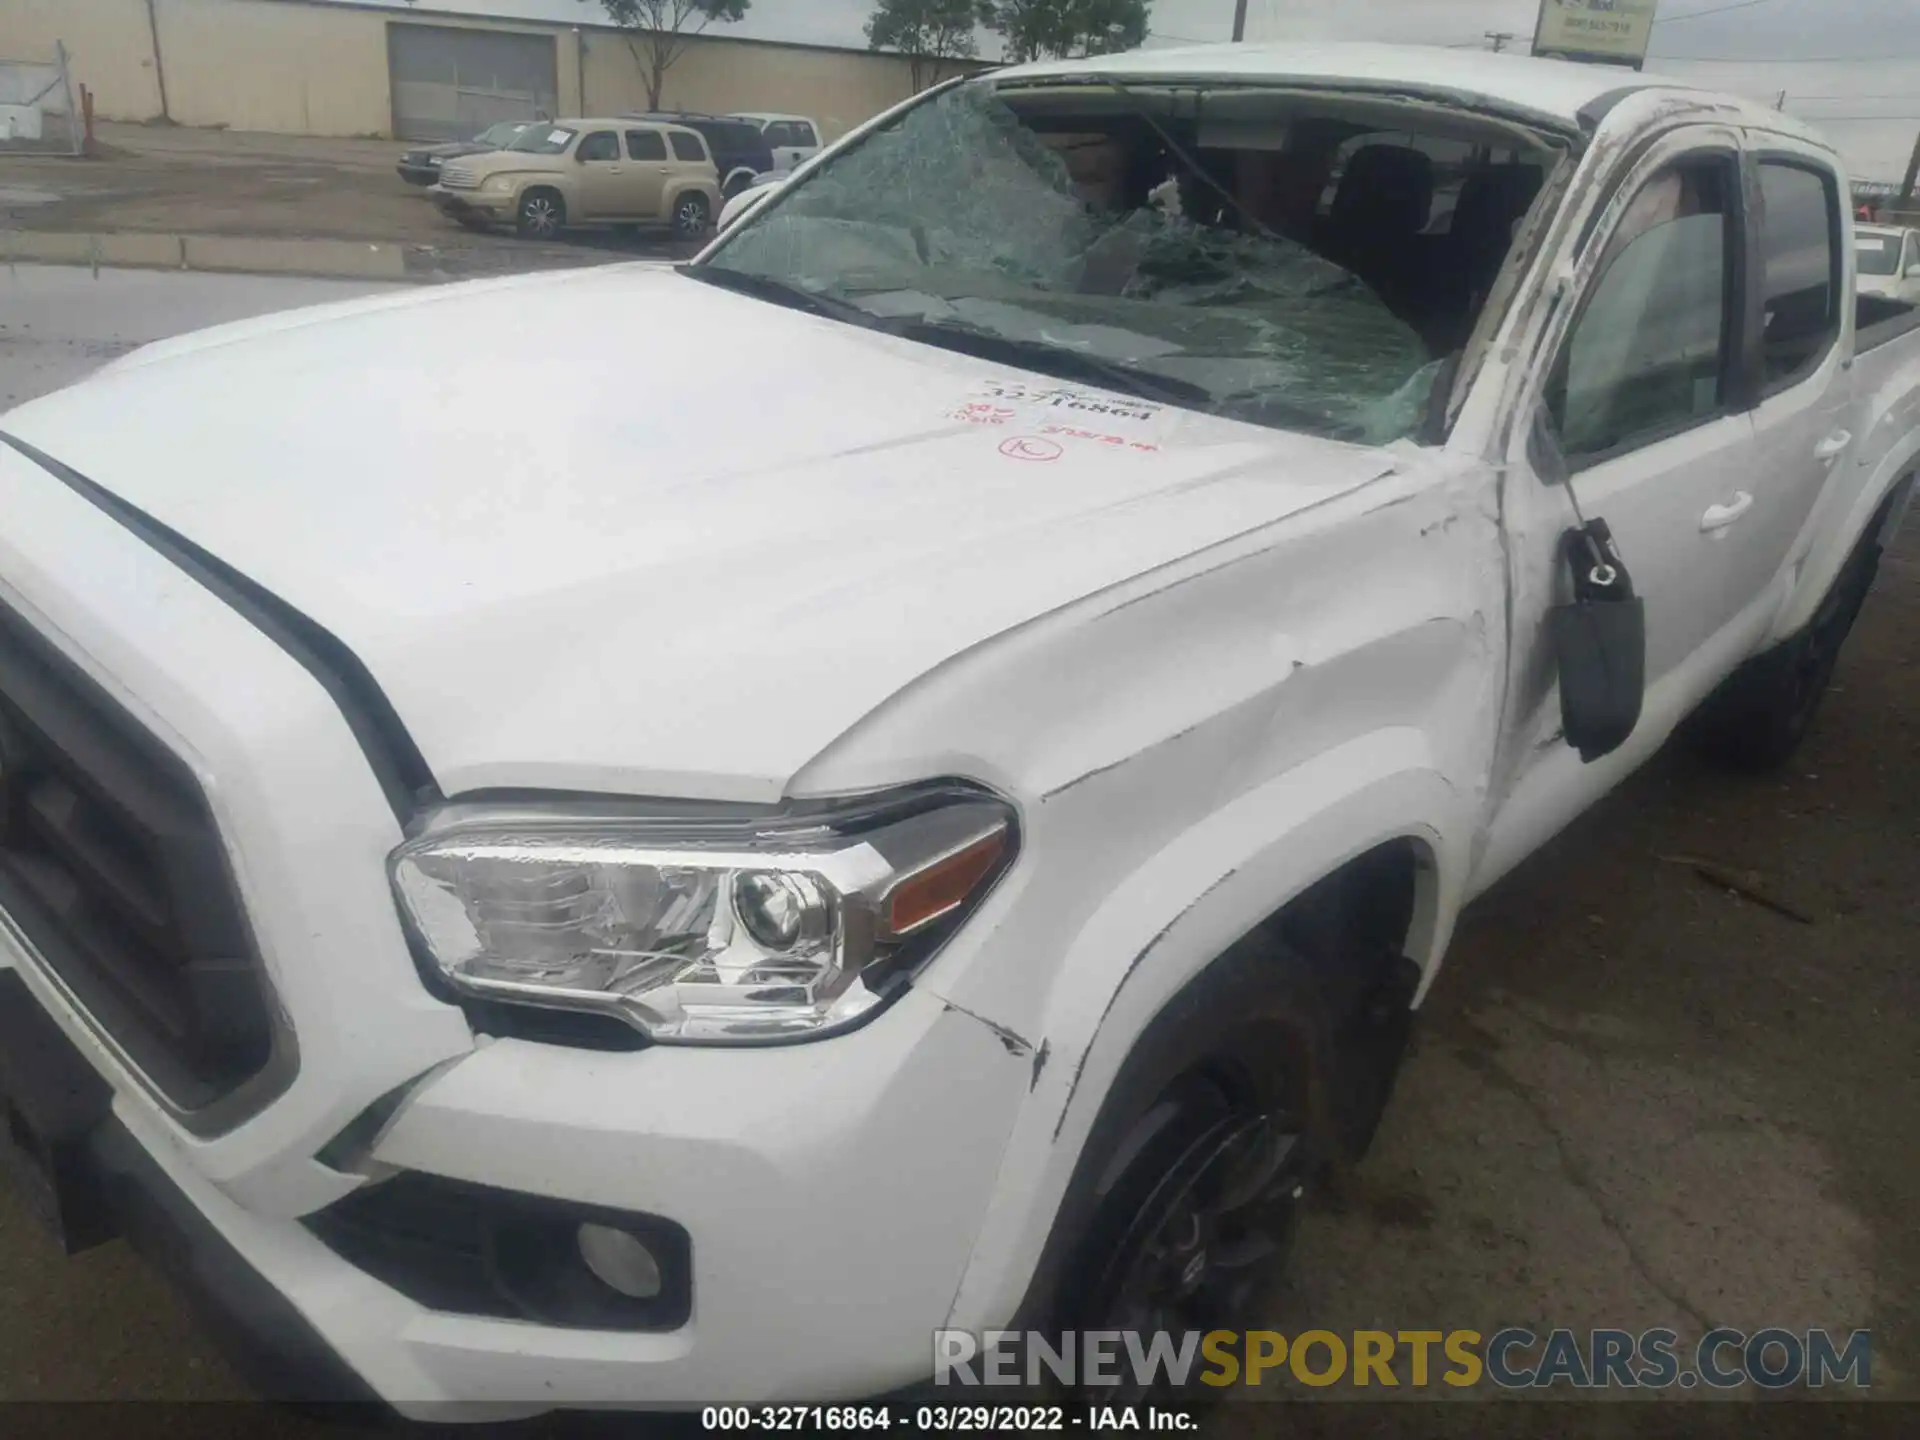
840 89
308 69
295 69
108 48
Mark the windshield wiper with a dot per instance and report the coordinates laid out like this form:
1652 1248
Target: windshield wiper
1054 360
783 292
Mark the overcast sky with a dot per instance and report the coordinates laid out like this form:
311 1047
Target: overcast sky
1851 66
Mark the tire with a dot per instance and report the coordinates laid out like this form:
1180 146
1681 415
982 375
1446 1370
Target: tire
1764 712
1183 1205
542 215
692 216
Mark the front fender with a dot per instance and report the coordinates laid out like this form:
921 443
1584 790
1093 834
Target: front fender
1166 922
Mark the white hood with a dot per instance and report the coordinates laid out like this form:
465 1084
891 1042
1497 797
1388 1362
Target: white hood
614 530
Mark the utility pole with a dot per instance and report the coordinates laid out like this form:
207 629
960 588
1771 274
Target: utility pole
1781 103
1239 19
1499 39
1913 173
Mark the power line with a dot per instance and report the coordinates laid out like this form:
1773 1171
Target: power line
1716 10
1791 60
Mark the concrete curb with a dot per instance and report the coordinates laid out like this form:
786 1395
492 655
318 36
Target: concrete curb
344 259
265 255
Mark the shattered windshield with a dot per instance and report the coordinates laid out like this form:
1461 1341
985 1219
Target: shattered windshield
963 220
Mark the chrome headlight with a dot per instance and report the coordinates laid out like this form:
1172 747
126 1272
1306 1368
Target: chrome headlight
495 184
704 925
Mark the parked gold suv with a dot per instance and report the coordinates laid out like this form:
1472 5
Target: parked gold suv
567 173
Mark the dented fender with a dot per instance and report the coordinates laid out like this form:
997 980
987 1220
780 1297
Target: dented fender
1168 920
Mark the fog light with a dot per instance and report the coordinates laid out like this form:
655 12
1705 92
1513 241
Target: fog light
620 1261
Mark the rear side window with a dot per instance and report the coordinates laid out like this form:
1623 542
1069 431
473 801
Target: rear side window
688 146
1800 260
646 145
601 145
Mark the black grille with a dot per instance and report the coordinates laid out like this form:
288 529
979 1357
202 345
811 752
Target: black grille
112 867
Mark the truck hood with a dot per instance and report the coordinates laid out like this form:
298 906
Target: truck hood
614 530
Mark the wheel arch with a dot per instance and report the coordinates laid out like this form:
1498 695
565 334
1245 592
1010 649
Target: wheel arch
678 188
1248 865
1883 499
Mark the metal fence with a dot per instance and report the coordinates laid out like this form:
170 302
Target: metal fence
39 108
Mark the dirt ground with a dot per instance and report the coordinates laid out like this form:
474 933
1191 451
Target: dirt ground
1637 1098
175 180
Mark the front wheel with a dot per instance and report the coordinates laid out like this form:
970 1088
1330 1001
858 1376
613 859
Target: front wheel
1183 1206
542 215
691 216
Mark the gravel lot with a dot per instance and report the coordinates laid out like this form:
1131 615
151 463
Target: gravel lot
1637 1098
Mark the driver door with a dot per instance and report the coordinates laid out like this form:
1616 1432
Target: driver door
1644 415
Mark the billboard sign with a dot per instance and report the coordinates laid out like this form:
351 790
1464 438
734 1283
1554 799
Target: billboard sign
1612 32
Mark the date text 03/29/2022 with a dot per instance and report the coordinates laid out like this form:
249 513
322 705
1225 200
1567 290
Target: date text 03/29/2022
947 1419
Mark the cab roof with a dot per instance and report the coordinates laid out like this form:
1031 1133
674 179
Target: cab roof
1559 90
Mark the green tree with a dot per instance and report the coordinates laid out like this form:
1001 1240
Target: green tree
658 32
1033 29
930 33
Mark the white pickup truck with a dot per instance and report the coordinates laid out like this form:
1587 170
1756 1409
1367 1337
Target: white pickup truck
526 896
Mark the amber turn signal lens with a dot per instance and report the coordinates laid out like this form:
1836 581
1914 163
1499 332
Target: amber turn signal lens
943 886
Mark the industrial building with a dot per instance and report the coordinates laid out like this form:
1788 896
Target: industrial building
336 67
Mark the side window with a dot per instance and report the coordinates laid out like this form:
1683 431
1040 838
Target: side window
646 145
600 145
1649 353
687 146
1800 258
804 134
784 132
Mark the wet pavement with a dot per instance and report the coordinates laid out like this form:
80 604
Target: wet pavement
1637 1099
282 203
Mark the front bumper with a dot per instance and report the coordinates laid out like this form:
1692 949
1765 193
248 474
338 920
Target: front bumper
832 1193
472 204
125 1192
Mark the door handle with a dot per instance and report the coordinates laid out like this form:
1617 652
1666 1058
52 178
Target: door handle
1719 517
1833 447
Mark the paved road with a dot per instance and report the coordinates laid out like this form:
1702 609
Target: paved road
59 322
1637 1099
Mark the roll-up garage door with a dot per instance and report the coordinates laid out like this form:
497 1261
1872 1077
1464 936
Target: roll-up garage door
451 84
